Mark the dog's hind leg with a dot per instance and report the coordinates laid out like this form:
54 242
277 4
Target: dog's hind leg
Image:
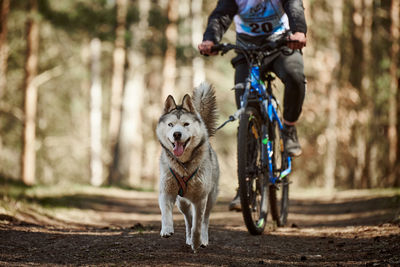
186 208
166 203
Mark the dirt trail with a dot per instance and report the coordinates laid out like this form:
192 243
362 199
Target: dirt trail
345 229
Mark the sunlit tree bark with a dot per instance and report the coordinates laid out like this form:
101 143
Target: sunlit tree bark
184 73
117 87
28 158
96 164
360 141
169 69
334 87
367 90
5 7
131 135
197 36
362 18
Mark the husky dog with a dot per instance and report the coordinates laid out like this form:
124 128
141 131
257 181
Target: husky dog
189 170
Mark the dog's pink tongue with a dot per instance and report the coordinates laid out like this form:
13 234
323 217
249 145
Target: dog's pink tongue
178 149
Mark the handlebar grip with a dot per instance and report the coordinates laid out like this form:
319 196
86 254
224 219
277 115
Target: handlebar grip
217 47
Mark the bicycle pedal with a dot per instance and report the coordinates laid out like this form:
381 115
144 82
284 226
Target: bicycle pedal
287 183
280 182
239 86
276 187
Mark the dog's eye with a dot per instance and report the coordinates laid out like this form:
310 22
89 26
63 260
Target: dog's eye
170 124
186 124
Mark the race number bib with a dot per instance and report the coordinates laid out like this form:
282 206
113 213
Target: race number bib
260 17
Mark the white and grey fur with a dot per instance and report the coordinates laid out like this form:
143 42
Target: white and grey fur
195 121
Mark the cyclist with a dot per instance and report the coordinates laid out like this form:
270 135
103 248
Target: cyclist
258 21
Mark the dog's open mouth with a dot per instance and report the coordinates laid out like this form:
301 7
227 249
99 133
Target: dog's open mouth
179 147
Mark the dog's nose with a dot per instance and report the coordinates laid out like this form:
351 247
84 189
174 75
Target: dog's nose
177 136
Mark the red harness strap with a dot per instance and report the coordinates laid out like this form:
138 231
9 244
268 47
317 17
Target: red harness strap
182 181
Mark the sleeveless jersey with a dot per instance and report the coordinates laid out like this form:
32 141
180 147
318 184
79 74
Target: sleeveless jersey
260 17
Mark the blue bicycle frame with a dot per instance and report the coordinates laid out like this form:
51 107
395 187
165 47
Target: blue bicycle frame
255 85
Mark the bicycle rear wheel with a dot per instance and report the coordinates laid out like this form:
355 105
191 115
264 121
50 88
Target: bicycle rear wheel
278 191
252 181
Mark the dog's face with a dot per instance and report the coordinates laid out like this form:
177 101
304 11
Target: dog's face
179 128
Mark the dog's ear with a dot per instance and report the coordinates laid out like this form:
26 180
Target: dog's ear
187 103
169 104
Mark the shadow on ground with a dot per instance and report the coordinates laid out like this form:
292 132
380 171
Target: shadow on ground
339 232
228 248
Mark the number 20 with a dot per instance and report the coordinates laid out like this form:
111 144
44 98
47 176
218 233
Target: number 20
266 27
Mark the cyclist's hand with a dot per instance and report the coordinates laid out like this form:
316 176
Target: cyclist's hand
299 39
205 48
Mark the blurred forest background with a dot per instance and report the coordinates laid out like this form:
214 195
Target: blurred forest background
83 82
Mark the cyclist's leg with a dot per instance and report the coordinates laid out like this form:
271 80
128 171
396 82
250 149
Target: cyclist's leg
290 69
241 73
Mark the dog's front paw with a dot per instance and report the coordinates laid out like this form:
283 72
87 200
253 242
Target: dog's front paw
196 242
167 232
204 239
166 235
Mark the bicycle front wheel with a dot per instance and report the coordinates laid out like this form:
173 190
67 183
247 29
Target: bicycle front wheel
278 191
252 181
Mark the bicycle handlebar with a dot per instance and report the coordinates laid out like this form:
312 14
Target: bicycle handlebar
268 47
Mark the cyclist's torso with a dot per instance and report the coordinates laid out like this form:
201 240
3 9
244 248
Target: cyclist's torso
260 17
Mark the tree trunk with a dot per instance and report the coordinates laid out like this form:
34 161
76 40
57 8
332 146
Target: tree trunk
363 22
394 87
96 164
117 87
30 97
366 88
184 72
199 74
359 134
334 87
5 7
169 70
131 135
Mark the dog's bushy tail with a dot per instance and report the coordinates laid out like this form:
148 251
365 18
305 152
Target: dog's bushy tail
205 103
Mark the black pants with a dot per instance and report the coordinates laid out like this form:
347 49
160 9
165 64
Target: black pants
290 69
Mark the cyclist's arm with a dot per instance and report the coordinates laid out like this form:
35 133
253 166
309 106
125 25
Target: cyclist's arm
295 12
297 22
220 20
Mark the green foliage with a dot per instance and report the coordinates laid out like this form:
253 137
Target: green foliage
158 18
156 43
11 188
92 18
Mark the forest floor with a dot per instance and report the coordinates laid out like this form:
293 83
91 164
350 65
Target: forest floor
107 226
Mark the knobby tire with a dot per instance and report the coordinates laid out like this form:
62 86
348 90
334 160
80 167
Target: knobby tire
252 180
278 192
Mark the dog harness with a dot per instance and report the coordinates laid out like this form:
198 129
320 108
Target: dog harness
182 181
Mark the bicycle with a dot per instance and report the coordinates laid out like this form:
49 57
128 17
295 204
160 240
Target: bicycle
263 163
